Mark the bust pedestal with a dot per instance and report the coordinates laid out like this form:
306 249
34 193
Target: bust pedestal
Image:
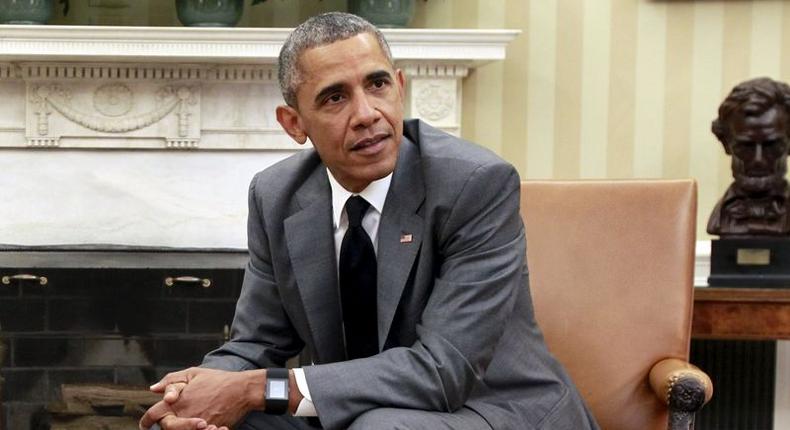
756 261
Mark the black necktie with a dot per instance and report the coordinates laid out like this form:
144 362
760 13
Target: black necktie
358 284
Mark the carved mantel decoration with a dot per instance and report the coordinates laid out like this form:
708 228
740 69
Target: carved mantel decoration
186 88
110 109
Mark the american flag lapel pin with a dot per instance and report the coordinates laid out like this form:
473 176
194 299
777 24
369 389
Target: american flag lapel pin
406 238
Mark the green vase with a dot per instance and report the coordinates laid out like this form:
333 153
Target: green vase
384 13
209 13
25 11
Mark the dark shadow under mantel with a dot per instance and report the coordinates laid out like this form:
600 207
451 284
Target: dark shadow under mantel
103 256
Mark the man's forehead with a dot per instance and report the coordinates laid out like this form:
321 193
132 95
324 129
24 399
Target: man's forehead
749 135
774 115
362 45
746 133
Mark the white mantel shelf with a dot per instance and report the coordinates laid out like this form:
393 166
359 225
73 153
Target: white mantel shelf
228 45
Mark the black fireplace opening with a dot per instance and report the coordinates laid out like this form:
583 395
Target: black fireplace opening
108 317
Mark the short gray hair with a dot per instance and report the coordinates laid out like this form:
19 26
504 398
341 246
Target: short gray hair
317 31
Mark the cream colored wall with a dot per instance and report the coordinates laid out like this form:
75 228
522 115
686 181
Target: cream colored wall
616 88
591 88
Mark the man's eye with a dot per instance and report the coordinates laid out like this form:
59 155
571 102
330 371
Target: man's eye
743 149
775 146
380 83
334 98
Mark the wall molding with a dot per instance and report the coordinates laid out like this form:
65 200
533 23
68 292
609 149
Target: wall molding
61 71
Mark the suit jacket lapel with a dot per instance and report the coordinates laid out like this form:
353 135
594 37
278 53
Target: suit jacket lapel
400 234
311 247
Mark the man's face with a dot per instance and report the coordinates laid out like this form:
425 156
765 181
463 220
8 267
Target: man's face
350 105
759 146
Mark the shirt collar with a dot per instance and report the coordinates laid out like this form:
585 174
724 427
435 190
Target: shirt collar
375 194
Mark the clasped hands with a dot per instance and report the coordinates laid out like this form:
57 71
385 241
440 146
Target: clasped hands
205 399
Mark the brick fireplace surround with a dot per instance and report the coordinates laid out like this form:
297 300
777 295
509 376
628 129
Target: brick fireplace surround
106 317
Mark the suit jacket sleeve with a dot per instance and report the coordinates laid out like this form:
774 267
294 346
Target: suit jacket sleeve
481 247
262 334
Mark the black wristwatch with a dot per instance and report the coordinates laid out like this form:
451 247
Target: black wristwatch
276 391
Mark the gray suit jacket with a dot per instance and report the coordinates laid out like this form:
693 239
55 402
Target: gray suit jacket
456 326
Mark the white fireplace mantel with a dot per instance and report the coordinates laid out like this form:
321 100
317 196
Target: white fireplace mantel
150 135
228 45
163 87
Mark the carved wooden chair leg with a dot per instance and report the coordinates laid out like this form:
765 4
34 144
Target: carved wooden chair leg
687 395
683 388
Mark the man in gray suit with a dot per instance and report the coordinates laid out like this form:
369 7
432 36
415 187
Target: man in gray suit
437 330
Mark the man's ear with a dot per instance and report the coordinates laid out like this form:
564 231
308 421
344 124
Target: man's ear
719 129
291 122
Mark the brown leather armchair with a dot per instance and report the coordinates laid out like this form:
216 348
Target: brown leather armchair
611 268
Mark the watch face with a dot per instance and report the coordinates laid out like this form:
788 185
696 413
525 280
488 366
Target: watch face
276 389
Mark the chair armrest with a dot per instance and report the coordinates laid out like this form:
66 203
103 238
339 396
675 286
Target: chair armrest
683 387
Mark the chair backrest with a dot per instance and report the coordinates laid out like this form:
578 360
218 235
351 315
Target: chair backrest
611 268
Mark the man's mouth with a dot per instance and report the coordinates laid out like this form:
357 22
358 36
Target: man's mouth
370 145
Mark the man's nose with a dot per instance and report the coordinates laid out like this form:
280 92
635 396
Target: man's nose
365 113
758 152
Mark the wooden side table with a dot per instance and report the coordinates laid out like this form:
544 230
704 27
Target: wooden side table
741 313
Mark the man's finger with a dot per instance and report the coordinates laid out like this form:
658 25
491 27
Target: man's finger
172 422
173 391
154 414
170 378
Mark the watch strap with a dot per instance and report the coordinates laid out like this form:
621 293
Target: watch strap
276 405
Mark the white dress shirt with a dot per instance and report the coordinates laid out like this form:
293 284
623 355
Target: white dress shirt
375 194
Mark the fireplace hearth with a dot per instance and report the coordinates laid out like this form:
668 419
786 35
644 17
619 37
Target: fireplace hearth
123 316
